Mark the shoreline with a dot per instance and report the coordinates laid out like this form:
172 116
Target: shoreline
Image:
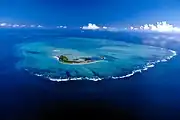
145 68
77 63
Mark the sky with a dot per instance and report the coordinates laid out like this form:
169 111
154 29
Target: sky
82 12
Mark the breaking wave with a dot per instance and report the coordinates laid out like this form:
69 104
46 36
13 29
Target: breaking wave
122 60
145 68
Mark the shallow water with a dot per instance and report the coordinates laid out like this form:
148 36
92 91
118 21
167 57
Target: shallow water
122 59
151 95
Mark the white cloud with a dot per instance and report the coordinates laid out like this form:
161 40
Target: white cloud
91 27
146 27
158 27
3 24
39 26
65 27
104 27
61 27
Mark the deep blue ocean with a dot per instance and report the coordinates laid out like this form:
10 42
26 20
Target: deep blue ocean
151 95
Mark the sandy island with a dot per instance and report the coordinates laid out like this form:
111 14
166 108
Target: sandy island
80 61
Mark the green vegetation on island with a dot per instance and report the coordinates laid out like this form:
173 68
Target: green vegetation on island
65 59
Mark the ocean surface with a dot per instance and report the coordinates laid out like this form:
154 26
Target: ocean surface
150 94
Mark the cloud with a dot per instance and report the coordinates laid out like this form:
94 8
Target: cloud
39 26
158 27
61 27
113 29
3 24
65 27
22 25
15 25
171 41
104 27
91 27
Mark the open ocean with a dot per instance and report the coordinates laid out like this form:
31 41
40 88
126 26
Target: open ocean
150 95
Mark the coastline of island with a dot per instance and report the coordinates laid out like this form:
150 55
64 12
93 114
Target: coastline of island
79 61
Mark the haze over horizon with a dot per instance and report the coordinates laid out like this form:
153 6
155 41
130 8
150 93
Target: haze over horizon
81 12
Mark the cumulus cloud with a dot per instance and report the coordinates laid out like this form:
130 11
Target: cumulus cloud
91 27
158 27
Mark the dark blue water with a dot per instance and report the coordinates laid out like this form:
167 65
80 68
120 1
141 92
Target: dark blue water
151 95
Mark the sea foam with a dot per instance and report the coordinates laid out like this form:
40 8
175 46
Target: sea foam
123 59
145 68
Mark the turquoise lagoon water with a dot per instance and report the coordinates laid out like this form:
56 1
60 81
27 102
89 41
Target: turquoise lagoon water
122 59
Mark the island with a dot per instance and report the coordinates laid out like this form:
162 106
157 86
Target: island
80 60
